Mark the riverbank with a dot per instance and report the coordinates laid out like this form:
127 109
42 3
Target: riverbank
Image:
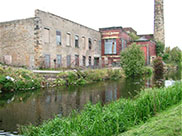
113 118
17 79
167 123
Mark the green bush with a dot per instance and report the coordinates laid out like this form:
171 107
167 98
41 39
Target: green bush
14 79
133 60
111 119
88 76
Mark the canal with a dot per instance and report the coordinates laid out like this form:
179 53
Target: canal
34 107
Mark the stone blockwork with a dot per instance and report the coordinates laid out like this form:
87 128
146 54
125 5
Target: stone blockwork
159 21
17 42
48 40
50 24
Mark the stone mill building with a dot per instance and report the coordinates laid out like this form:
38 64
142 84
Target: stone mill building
50 41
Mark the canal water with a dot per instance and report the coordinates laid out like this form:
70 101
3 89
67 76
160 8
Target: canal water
34 107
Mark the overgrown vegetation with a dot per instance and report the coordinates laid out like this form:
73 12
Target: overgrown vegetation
166 123
133 61
84 77
16 79
159 48
173 57
112 119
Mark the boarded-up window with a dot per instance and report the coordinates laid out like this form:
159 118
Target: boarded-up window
47 61
46 35
76 41
68 59
84 61
68 39
77 60
89 60
89 44
110 46
59 60
58 38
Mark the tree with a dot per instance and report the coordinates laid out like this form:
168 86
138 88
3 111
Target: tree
159 48
175 55
133 60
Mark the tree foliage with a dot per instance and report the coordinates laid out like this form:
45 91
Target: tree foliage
133 60
159 48
172 56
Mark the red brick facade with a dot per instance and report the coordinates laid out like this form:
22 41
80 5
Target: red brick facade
122 40
121 37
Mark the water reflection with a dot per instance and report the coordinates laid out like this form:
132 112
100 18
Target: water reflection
34 107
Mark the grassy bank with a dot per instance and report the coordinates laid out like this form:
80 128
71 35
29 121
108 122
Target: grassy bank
16 79
167 123
87 76
111 119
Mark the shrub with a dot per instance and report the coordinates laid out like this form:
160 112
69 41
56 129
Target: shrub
132 60
158 68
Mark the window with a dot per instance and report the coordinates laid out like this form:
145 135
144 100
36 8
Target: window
89 60
46 35
77 60
47 61
96 61
122 44
84 61
125 43
83 42
58 38
110 46
68 59
89 43
76 41
68 39
59 60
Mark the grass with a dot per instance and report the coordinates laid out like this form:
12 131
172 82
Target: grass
112 119
167 123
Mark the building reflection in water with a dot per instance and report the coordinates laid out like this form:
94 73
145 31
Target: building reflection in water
50 102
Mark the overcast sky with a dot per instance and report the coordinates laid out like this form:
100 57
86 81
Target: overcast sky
95 14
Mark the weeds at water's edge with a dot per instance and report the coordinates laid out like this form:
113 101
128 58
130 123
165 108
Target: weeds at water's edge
111 119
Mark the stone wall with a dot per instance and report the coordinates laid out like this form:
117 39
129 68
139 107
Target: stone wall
159 21
17 42
48 24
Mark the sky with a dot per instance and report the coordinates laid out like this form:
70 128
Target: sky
138 14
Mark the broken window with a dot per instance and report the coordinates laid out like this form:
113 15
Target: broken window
76 41
89 43
58 38
68 39
68 58
59 60
46 35
84 61
110 46
90 60
96 61
77 60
